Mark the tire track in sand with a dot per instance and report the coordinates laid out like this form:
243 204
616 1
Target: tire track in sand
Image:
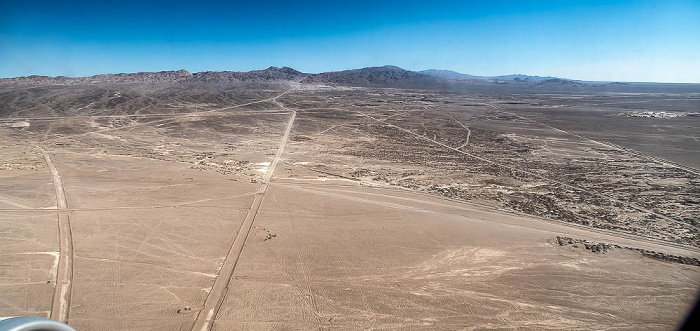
205 319
60 307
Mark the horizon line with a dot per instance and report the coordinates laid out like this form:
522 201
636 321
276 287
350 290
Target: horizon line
376 66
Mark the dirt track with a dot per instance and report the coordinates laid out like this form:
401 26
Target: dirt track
64 278
212 304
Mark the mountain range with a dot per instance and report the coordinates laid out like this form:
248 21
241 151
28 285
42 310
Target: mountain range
448 74
386 76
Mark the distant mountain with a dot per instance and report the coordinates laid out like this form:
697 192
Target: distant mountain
269 74
386 76
522 78
139 77
375 76
449 74
179 76
36 79
560 81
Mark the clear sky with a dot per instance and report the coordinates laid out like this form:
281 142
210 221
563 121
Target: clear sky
624 40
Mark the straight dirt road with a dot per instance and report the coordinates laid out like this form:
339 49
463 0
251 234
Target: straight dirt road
64 277
206 316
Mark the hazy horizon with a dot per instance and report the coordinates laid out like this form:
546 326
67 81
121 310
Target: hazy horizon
256 69
625 41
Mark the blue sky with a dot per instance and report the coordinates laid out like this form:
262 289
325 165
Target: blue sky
587 40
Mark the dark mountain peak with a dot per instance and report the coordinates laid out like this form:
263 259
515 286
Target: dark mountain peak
385 68
275 73
285 70
388 67
269 74
215 76
389 76
291 71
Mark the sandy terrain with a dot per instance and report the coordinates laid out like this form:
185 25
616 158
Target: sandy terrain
231 207
168 247
359 258
28 228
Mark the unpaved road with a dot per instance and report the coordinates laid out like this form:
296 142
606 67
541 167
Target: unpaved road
469 133
64 277
216 296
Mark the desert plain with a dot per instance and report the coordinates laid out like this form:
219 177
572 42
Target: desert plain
305 204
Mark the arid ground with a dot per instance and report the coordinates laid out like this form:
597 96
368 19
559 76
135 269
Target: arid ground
241 206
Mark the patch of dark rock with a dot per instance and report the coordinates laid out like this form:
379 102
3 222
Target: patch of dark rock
602 248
